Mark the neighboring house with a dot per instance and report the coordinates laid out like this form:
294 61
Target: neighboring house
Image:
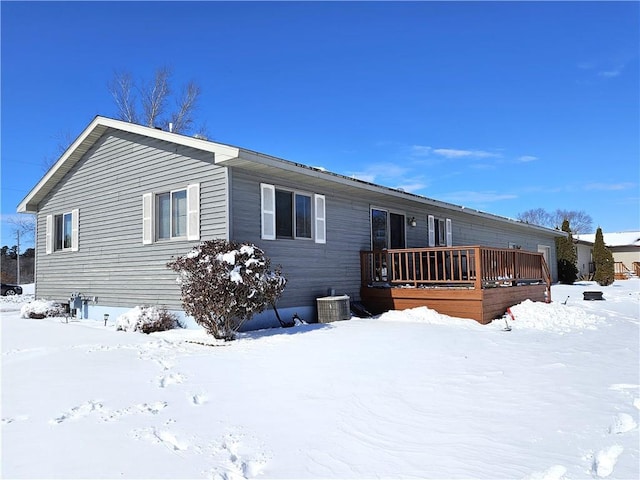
584 262
624 246
124 199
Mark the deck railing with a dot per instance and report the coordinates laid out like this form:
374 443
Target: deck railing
622 272
636 268
471 267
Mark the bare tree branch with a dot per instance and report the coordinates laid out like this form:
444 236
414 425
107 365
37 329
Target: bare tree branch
580 221
183 119
122 89
23 223
154 97
146 103
536 216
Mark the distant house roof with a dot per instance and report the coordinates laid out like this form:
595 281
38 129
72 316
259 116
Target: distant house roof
615 239
227 155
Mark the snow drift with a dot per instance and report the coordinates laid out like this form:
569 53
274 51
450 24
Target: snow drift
408 394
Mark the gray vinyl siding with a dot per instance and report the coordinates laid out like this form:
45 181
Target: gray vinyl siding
468 229
311 269
112 263
107 186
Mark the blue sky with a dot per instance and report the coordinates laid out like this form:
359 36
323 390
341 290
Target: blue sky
502 107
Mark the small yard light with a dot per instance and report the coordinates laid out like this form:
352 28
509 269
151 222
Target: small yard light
106 319
412 221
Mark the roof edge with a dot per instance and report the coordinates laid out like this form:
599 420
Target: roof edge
265 159
225 154
83 143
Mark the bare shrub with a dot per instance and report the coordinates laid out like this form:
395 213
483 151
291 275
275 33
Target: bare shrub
225 283
42 308
147 320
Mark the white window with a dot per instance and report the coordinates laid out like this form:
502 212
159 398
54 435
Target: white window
62 231
291 214
440 233
172 215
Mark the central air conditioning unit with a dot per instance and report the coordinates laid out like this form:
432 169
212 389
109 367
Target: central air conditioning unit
331 309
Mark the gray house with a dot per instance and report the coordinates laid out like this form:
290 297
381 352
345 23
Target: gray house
123 199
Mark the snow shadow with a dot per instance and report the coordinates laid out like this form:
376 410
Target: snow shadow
271 332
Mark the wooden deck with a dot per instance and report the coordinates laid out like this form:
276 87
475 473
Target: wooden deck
469 282
621 271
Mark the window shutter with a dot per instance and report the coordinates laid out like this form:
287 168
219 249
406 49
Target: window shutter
193 212
48 241
449 233
147 218
321 224
268 211
75 229
432 231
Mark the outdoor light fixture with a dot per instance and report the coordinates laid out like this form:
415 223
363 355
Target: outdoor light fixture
106 318
412 221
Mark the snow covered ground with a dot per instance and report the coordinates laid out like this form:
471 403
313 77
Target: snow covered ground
410 394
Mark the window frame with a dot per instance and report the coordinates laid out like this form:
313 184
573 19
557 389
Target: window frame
441 234
172 217
294 194
190 215
315 220
60 224
439 231
62 232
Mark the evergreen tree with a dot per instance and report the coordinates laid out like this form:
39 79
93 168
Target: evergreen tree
567 256
603 259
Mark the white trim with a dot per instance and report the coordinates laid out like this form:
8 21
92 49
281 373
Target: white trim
545 250
156 221
48 236
75 229
147 218
193 211
267 211
320 218
228 207
432 230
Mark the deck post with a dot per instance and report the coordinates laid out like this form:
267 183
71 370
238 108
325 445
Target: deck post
364 269
477 254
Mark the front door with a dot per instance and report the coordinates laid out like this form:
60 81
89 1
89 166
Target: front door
545 251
